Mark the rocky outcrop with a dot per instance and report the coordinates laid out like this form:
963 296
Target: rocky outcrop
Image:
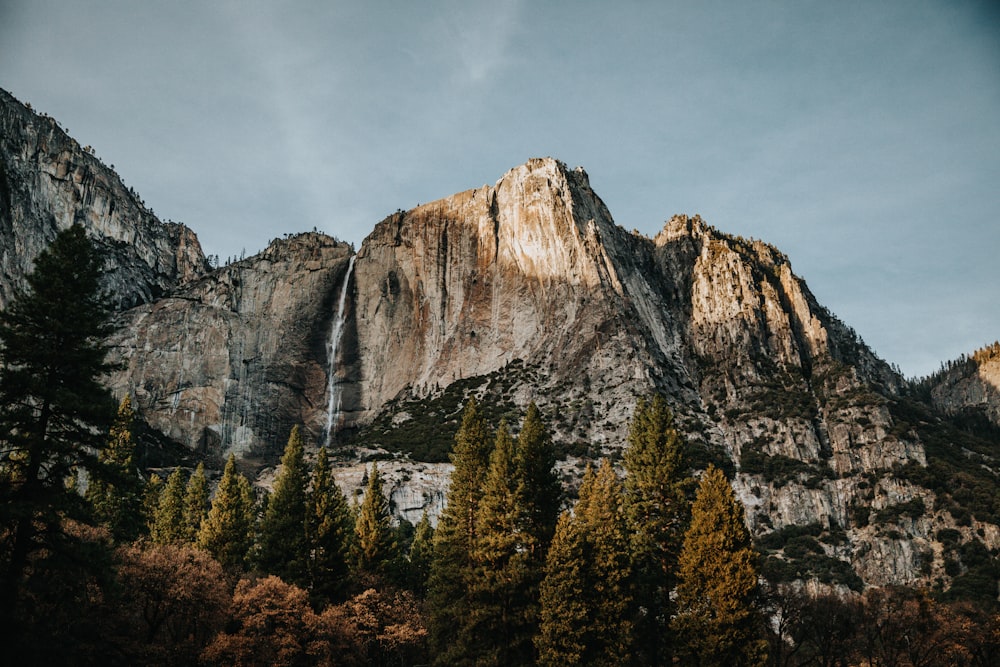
969 385
230 362
48 182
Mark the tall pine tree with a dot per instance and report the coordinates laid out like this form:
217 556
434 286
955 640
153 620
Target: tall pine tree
281 541
451 569
329 532
115 490
168 523
228 532
540 491
53 409
585 596
196 503
657 509
503 589
717 623
418 564
375 546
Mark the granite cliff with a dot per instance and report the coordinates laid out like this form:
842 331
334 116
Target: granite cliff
526 290
49 182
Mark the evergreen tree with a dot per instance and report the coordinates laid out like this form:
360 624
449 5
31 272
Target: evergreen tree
169 526
53 408
329 532
504 613
196 504
657 509
375 547
540 492
451 566
564 618
585 597
227 533
716 622
421 554
281 542
151 500
114 491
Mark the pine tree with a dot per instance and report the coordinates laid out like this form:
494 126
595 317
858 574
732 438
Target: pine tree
421 554
227 533
716 622
169 526
375 547
281 541
503 613
329 532
114 491
451 566
151 500
196 504
564 617
585 597
657 509
540 491
53 408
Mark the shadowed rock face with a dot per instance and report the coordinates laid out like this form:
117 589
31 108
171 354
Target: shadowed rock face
48 182
521 291
232 361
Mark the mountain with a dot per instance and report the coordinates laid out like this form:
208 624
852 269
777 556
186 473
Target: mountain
48 182
524 291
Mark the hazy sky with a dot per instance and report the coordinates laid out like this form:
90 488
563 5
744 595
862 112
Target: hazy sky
860 138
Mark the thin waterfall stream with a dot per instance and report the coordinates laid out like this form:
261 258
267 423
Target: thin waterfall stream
336 332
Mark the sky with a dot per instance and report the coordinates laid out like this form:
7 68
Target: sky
860 138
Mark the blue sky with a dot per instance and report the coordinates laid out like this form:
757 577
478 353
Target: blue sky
860 138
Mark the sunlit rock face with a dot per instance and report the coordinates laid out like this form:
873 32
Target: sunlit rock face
463 286
970 385
48 182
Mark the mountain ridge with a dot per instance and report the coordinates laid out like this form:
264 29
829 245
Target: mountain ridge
524 291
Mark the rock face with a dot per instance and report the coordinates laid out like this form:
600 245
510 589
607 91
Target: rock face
532 274
230 362
48 182
969 385
517 292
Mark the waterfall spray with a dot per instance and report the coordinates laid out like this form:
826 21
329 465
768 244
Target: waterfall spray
336 331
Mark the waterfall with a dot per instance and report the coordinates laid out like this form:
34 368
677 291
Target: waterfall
336 331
